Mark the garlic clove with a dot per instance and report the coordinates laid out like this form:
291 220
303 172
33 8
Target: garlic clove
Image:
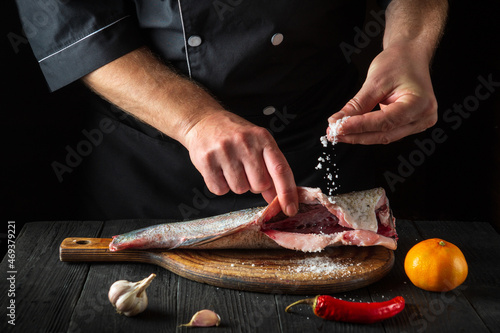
130 298
204 318
117 289
130 304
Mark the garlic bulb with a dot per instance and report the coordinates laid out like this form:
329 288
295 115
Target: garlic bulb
129 298
204 318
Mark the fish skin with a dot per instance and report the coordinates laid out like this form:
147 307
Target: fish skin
179 234
243 229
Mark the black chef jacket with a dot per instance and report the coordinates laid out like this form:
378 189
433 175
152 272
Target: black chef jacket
275 63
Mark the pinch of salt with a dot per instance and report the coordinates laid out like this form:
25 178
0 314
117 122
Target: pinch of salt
335 129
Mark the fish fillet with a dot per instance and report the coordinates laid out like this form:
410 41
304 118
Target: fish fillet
358 218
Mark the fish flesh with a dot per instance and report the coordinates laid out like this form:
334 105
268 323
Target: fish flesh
361 218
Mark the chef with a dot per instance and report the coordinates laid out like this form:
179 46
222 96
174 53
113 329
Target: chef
205 107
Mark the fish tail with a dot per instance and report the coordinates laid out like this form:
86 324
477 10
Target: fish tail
123 242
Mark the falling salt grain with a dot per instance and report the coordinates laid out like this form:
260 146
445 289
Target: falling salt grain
324 141
334 130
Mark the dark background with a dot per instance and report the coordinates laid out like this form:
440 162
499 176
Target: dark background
458 181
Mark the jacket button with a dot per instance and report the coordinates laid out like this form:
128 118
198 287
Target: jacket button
194 41
277 39
269 110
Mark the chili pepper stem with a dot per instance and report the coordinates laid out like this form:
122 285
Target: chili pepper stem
308 301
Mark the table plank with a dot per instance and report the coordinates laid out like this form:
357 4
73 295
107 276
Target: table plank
239 311
302 318
429 311
388 287
425 311
479 242
46 289
72 297
93 310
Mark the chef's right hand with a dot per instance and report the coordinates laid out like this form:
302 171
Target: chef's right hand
234 154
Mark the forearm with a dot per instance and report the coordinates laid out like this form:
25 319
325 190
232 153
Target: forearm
417 25
143 86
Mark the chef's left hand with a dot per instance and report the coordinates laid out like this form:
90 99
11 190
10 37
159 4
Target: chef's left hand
398 80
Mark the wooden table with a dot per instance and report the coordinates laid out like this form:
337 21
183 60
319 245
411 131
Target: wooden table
53 296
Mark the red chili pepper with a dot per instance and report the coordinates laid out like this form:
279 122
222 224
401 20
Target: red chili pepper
328 307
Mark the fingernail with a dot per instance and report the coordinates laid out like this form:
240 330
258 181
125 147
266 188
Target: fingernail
291 209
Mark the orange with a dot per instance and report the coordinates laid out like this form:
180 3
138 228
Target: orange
436 265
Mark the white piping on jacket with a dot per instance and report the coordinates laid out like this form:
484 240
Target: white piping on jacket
81 39
185 39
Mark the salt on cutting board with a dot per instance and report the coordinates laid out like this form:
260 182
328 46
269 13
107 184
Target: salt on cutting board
333 270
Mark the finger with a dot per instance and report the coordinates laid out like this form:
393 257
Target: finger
235 176
258 178
409 109
269 195
256 172
212 173
380 137
282 177
363 102
383 120
215 181
370 138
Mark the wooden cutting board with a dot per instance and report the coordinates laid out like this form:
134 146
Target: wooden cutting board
333 270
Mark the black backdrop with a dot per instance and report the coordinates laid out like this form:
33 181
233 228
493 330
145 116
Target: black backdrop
457 179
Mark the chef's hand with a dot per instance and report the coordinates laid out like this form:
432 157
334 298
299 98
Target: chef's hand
230 152
399 82
235 155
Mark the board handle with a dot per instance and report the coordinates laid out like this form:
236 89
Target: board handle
96 249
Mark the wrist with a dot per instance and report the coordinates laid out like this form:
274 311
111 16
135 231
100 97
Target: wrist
419 52
415 26
190 126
